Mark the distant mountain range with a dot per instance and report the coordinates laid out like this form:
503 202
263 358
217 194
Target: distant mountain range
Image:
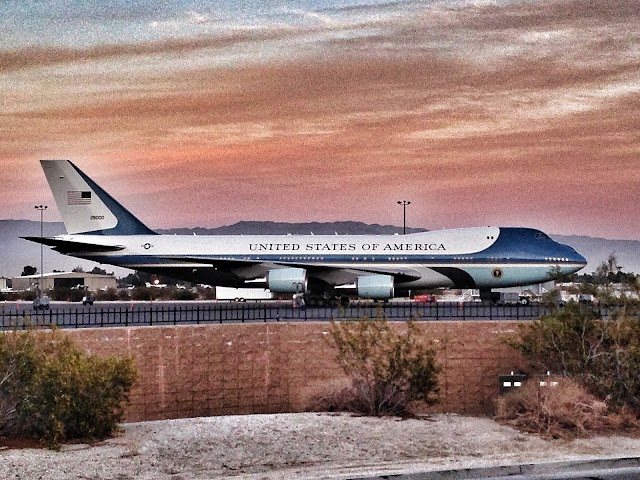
15 252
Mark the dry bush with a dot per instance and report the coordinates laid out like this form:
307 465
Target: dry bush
566 410
389 370
602 354
327 396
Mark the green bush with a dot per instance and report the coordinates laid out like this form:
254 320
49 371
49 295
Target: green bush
57 392
142 294
388 369
123 294
67 294
183 294
603 355
109 295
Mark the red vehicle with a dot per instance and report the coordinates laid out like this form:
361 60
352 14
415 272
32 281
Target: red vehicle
424 298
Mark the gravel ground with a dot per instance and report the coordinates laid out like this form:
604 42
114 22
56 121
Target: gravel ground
304 445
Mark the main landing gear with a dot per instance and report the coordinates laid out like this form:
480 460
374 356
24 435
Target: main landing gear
322 301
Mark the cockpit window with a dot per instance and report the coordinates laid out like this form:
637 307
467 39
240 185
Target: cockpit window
541 235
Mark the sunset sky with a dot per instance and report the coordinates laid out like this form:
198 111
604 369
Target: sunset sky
194 113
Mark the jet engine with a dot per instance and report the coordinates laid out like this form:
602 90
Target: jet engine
378 287
287 280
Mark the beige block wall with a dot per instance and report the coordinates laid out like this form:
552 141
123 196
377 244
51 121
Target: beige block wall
201 370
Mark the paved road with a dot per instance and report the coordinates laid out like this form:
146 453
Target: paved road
596 469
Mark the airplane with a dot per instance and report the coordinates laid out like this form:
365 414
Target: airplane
376 267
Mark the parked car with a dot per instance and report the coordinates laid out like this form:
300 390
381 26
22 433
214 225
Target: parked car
424 298
41 303
87 300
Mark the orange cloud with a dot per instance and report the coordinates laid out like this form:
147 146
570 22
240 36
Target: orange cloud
478 115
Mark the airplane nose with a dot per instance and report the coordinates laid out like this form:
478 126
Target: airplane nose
577 259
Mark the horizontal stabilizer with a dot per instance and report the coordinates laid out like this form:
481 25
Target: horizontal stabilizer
66 246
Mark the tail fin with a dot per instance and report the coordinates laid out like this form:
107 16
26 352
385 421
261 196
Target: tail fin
84 206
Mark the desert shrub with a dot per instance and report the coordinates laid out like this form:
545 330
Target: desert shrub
110 294
67 294
57 392
387 369
18 361
29 295
207 293
123 294
603 355
565 410
142 293
183 294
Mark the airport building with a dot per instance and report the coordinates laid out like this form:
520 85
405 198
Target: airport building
84 280
4 283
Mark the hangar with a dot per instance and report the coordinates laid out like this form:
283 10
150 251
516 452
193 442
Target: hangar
85 280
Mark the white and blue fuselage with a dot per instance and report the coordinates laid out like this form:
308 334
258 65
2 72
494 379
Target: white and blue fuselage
376 265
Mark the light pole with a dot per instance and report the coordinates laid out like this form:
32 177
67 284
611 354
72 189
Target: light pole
41 208
404 204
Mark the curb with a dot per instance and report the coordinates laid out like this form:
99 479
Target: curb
510 470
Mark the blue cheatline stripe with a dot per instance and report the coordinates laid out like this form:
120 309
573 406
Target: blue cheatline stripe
327 259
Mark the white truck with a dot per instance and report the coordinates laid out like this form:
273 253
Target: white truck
509 298
243 294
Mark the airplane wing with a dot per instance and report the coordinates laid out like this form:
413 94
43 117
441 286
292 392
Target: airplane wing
321 271
65 246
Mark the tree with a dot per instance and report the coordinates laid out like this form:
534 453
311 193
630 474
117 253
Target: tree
28 270
609 267
98 271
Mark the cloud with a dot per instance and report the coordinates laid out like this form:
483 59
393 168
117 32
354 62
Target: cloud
477 113
35 57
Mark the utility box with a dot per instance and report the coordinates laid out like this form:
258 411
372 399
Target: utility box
511 381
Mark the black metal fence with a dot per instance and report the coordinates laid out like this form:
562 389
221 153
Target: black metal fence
118 315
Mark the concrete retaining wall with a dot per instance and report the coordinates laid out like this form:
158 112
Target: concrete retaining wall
188 371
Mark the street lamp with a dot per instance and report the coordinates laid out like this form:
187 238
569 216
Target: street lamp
404 204
41 208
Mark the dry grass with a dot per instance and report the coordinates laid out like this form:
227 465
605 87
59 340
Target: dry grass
565 410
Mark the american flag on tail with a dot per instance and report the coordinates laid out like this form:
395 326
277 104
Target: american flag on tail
76 197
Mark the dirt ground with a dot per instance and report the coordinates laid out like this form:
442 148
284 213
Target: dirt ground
301 446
